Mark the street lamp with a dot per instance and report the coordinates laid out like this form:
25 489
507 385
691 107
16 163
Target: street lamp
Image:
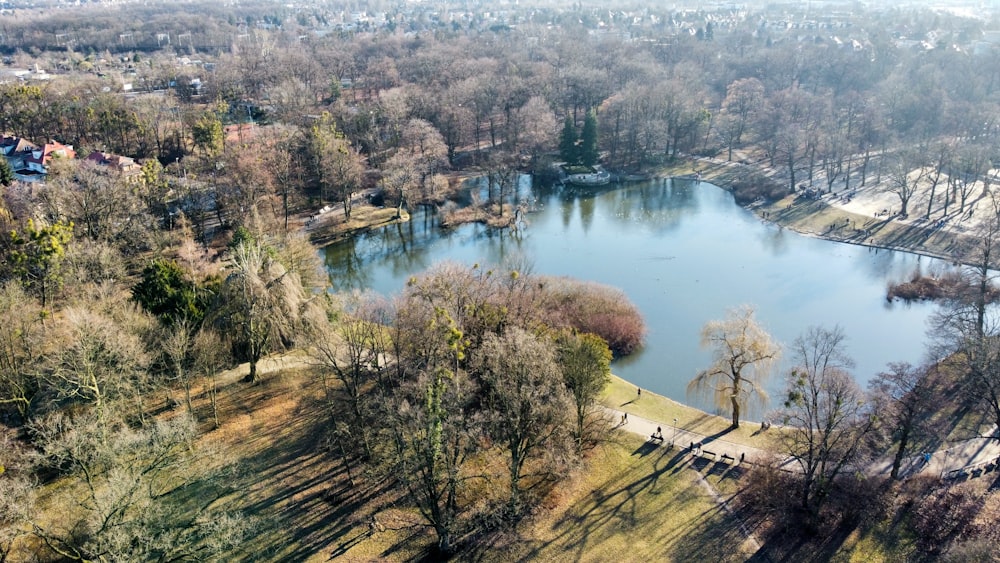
674 439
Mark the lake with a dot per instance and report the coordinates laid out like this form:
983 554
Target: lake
684 252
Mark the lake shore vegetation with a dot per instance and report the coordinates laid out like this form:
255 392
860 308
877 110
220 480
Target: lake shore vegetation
177 382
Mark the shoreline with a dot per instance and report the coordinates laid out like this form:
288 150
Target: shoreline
621 395
819 218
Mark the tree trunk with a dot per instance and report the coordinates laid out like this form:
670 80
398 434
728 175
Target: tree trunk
445 543
734 398
930 201
897 460
213 394
252 376
736 411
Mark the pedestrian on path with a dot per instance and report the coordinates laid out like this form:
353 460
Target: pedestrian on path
638 391
625 418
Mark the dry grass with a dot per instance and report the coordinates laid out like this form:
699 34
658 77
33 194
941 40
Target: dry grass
627 498
363 218
305 505
489 215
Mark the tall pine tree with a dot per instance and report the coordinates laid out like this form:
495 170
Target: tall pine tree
568 149
6 173
589 154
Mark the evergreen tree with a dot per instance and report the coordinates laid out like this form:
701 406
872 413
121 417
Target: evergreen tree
6 174
588 140
208 134
166 291
37 254
567 142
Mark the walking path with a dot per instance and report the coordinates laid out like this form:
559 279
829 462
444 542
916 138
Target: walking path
959 460
710 446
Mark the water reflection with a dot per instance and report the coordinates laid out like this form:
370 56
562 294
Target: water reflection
684 252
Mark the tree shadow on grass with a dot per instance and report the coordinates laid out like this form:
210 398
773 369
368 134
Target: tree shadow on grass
613 507
799 546
714 537
648 447
299 495
304 500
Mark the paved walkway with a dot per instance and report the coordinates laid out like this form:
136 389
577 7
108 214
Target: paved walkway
946 462
686 438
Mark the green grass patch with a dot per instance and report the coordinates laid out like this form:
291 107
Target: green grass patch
633 502
885 542
621 395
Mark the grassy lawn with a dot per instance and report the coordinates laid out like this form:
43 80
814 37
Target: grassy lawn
629 500
885 542
621 395
634 502
363 218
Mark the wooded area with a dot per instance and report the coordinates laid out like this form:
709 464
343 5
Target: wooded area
128 288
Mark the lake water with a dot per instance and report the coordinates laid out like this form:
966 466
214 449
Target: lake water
684 253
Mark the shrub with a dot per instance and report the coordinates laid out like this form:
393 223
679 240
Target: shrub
944 515
950 284
750 188
598 309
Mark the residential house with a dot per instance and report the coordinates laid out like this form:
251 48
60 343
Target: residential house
13 146
40 158
16 150
122 164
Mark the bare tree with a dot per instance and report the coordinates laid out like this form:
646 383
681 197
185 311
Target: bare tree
744 98
334 165
101 360
21 348
526 401
906 172
209 358
967 326
126 475
970 165
532 127
824 412
434 431
175 341
941 154
102 204
17 497
345 343
743 353
426 151
903 398
400 178
259 304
